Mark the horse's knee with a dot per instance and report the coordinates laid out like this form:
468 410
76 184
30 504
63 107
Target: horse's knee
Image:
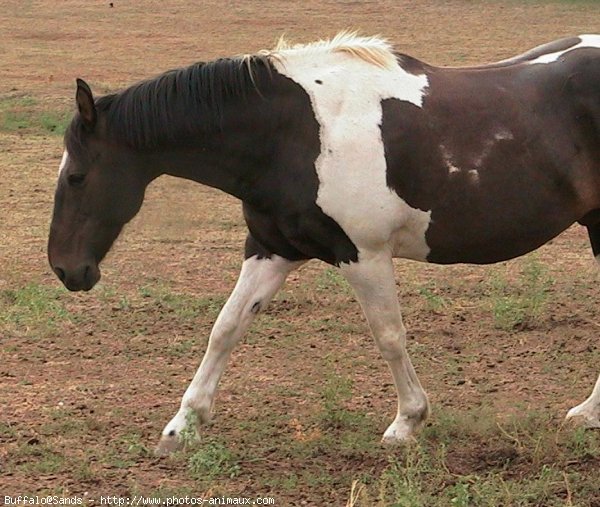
392 344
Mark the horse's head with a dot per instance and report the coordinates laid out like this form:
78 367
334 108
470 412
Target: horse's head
100 188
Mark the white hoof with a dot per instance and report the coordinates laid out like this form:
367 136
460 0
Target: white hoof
588 417
399 432
181 430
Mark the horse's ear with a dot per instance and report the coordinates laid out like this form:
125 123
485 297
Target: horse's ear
85 104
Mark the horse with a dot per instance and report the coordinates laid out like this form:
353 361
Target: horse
346 151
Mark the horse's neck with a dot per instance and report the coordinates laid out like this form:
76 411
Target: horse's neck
230 159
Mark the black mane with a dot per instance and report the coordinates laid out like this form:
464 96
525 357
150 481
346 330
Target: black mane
179 103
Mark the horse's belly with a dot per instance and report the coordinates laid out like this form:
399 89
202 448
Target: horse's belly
489 241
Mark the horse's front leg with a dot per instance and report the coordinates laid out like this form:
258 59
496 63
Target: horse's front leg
259 280
373 281
589 410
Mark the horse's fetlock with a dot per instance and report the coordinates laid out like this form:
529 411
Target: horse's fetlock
416 410
421 410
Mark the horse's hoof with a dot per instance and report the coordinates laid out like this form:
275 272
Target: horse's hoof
167 445
583 419
398 434
586 415
392 441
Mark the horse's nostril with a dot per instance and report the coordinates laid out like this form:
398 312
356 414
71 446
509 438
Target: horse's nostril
60 273
90 276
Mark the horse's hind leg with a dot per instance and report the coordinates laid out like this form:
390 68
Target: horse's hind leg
259 280
589 410
373 281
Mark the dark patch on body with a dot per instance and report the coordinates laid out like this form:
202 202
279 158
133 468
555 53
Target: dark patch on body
518 127
415 171
297 236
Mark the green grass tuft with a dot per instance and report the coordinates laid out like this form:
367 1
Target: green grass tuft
33 308
25 114
211 461
521 302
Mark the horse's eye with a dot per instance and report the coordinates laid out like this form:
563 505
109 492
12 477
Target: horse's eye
76 180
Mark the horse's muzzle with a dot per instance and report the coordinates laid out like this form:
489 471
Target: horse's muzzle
83 277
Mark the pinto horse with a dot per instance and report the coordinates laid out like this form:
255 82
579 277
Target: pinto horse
343 151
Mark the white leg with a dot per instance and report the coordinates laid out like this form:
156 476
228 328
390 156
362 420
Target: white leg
258 282
589 410
372 278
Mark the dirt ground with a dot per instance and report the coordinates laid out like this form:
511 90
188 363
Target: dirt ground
87 381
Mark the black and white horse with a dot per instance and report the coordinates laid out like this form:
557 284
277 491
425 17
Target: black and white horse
343 151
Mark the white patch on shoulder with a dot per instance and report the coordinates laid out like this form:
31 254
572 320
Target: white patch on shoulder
587 41
63 162
346 92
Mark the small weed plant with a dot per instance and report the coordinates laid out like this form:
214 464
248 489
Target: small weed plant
211 461
520 303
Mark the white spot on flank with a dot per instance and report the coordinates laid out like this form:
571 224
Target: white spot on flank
587 41
503 135
448 160
474 176
63 162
